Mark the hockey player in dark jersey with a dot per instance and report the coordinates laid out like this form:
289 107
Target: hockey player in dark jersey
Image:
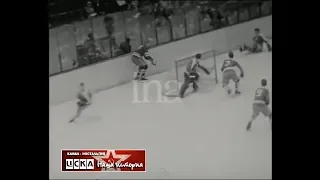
139 58
260 104
258 41
191 75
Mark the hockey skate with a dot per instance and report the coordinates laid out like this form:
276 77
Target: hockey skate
237 92
143 79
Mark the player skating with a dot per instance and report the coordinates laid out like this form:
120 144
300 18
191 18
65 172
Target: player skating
258 41
139 58
260 104
228 69
191 75
84 97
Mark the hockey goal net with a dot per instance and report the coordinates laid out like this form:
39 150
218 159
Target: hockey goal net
206 82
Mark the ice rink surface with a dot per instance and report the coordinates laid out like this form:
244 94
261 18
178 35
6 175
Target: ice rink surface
202 137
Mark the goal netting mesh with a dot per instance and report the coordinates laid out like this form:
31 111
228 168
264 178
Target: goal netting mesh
176 75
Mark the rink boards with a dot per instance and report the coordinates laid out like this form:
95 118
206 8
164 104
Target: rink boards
120 70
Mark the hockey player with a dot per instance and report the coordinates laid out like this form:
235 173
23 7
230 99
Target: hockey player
191 75
228 69
258 41
260 104
84 100
139 58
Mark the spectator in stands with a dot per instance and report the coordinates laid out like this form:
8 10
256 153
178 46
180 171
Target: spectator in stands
230 12
162 13
82 58
216 17
116 51
124 5
125 46
91 48
129 4
108 25
90 9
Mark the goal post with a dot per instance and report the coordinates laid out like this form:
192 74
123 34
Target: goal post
208 60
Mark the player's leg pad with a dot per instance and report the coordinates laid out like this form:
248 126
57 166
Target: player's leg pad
193 76
183 88
143 70
186 76
197 77
195 86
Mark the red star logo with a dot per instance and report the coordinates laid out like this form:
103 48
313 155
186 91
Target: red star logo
112 158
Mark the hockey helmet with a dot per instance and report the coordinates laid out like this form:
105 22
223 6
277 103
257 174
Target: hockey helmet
263 82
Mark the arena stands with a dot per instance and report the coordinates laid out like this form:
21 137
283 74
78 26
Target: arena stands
78 39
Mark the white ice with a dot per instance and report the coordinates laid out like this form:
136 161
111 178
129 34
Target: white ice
203 137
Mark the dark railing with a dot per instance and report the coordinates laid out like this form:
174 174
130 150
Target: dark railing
70 48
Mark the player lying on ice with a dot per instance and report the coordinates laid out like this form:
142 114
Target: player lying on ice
139 58
228 73
191 75
84 100
258 41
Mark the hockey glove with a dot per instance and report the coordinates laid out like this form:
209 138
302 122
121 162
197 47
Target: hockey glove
241 75
154 62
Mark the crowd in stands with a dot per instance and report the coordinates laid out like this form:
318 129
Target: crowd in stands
83 9
107 28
